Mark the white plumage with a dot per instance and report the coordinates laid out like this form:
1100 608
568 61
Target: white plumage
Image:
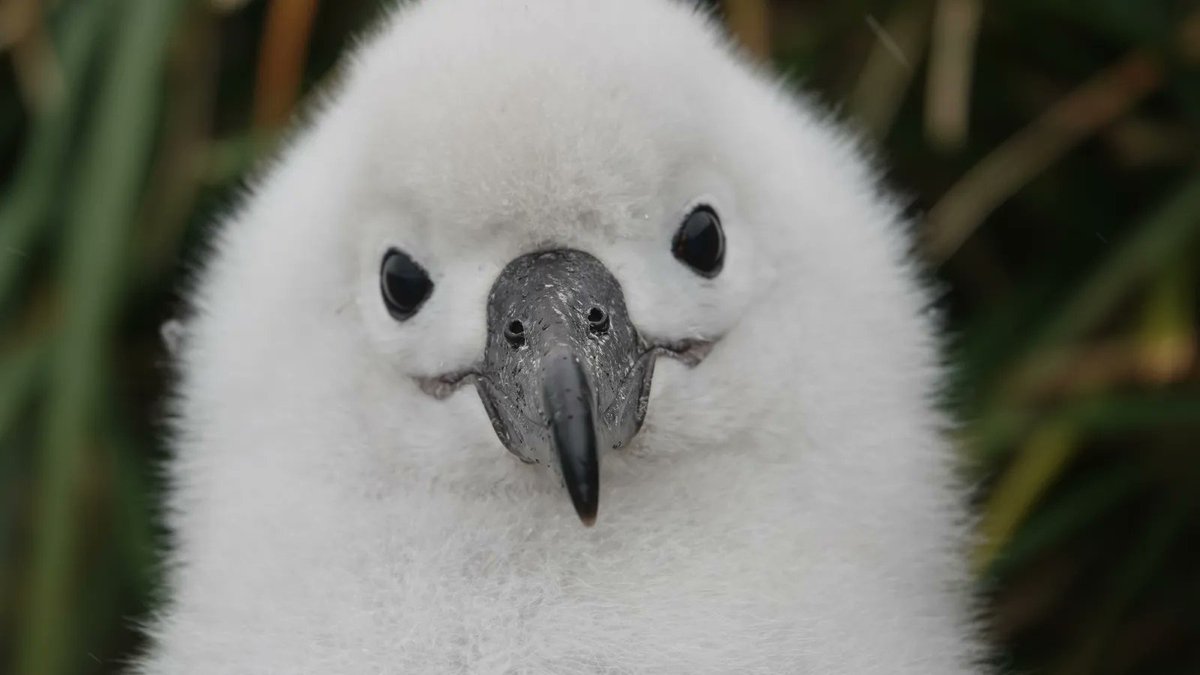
789 504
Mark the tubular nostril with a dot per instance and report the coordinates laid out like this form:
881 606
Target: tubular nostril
597 320
514 332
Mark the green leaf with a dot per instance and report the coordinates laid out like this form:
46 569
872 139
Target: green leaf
100 215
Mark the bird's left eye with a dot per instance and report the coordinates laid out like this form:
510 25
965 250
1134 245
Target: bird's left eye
700 242
405 284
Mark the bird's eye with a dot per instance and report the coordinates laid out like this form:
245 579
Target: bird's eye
404 284
700 242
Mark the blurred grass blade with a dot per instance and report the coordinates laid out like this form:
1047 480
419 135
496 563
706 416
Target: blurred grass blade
1168 331
113 164
281 63
135 523
19 370
750 23
889 69
36 185
1156 241
1008 168
951 69
1036 467
1084 503
1103 415
175 176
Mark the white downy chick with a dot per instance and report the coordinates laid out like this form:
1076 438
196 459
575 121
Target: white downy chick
421 352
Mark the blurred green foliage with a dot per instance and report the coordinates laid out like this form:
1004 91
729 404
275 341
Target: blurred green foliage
1047 150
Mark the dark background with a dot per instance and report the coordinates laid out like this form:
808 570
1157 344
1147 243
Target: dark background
1049 151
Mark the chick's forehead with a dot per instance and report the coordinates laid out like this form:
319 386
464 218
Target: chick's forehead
489 124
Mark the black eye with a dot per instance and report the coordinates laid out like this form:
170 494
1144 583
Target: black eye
700 242
404 283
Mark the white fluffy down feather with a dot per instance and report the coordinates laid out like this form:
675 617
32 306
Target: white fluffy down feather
790 503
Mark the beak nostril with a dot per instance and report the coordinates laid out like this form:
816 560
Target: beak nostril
597 320
514 332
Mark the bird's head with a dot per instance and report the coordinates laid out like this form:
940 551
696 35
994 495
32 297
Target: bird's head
611 243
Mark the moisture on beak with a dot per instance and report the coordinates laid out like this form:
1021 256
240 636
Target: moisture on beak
565 376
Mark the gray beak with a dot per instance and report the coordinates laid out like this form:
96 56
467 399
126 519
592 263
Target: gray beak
565 375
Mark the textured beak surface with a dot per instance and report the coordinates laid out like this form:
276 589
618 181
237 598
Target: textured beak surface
565 374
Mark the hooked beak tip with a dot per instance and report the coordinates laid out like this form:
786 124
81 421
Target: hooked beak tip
586 502
567 396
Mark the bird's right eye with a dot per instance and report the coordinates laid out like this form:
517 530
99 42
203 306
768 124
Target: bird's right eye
405 285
